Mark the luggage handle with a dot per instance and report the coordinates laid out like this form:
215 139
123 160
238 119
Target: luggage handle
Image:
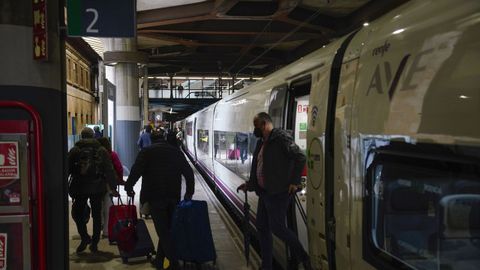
185 203
130 200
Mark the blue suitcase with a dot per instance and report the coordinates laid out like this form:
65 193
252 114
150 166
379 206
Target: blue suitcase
192 233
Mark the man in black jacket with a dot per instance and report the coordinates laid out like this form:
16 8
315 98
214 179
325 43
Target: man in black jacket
275 176
161 167
91 169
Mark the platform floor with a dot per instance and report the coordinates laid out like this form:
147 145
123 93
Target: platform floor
226 235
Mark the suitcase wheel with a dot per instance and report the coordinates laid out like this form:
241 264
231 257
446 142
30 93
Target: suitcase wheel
124 260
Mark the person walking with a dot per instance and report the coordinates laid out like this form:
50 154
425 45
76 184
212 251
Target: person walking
161 167
97 131
275 177
91 170
145 140
107 200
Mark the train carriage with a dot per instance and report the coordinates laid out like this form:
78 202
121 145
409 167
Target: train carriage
392 141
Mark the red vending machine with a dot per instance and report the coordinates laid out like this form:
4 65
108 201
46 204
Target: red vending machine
22 231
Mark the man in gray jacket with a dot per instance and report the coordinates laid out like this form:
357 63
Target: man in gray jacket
275 176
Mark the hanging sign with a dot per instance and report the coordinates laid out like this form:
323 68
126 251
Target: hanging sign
40 35
105 18
3 251
9 168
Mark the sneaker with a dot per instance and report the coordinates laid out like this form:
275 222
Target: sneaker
83 245
93 247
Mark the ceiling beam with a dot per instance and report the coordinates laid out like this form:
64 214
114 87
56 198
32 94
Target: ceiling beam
174 15
229 33
304 24
198 43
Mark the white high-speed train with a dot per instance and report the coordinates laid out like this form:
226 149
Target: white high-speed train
389 118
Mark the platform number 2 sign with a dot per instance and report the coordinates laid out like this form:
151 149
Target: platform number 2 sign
90 28
105 18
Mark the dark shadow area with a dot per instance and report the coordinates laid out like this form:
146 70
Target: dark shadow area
97 257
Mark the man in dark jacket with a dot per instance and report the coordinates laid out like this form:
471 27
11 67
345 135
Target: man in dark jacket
275 176
91 170
161 167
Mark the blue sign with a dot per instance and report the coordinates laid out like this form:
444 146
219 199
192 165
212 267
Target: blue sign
101 18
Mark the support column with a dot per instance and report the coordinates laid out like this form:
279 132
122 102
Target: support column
145 96
122 53
103 97
42 85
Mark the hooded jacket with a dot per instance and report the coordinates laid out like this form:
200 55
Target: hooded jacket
105 173
283 163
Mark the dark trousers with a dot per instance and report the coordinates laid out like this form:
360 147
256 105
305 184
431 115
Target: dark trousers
271 218
78 214
243 152
162 214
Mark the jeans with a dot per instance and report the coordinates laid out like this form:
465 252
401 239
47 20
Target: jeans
271 218
78 209
162 215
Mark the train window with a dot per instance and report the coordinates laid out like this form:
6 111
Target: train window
423 213
188 128
234 150
277 105
202 141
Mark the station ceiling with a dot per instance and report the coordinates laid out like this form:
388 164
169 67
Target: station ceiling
243 37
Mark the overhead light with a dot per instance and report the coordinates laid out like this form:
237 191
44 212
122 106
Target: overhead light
463 97
398 31
366 24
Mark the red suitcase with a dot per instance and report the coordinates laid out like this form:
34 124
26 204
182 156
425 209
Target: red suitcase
120 213
234 154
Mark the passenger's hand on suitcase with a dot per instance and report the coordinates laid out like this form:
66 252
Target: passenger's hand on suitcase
292 189
130 193
115 193
242 187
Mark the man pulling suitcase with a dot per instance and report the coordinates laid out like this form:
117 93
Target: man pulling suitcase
161 167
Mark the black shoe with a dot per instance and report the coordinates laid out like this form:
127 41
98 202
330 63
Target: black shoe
83 245
93 247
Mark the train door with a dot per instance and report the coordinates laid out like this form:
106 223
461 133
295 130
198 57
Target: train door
194 134
296 121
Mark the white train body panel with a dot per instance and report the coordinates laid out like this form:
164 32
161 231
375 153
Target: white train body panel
393 109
